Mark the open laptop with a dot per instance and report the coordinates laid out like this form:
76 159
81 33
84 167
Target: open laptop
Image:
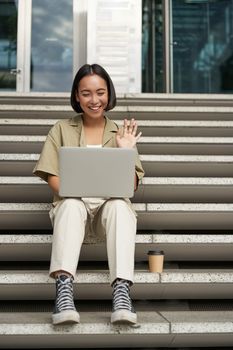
97 172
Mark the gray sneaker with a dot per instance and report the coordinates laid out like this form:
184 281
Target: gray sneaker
65 311
122 308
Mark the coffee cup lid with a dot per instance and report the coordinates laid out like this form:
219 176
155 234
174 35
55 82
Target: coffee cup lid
155 252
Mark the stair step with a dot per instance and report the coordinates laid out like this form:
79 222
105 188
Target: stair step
24 189
28 329
129 111
177 99
177 247
159 216
179 328
185 145
186 216
164 128
185 136
21 164
181 112
184 189
17 164
37 98
187 165
157 99
90 284
147 145
166 189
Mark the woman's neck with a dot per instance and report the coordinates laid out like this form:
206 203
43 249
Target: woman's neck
93 123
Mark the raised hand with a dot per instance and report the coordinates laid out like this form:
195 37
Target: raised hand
126 136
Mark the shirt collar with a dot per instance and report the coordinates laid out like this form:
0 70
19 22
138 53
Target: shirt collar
110 127
109 131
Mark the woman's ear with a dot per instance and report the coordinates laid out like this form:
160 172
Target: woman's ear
76 96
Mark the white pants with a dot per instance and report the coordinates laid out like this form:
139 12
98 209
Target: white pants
74 218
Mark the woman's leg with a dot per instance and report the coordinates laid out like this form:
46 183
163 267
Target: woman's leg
119 223
68 235
69 230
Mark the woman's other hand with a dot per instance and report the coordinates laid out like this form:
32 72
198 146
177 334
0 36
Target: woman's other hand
126 136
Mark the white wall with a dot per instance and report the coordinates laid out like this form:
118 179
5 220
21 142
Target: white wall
114 40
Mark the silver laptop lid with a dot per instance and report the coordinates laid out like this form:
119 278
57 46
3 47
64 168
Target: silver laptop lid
97 172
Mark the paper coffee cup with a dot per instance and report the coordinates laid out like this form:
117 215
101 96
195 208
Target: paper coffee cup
156 258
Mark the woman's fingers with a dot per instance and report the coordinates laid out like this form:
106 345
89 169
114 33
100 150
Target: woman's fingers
130 127
125 125
138 136
135 127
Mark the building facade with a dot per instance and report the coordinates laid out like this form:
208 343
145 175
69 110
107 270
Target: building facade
176 46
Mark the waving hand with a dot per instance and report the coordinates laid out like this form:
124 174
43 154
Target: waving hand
126 137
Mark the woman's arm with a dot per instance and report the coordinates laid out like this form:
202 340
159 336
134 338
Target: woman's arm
127 138
53 182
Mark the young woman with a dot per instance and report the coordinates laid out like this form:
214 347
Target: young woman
78 220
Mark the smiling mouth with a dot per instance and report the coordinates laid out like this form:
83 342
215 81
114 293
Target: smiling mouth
95 108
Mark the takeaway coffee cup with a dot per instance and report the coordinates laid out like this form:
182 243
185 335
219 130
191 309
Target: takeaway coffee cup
156 258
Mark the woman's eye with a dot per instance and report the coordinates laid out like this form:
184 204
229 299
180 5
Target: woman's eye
86 95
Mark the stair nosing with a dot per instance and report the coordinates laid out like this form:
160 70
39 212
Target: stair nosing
150 123
147 238
143 140
128 108
91 276
143 157
155 181
140 207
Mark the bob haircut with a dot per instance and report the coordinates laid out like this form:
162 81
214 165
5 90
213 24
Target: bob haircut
91 69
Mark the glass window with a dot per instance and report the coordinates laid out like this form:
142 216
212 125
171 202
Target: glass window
8 43
152 46
202 46
52 45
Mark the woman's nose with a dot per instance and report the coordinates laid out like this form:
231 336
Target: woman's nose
94 98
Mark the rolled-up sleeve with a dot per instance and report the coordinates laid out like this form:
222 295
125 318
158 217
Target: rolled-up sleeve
48 162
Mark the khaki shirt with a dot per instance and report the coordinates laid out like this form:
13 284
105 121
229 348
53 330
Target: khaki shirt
70 133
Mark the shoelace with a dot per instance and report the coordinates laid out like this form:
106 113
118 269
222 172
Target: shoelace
121 297
64 300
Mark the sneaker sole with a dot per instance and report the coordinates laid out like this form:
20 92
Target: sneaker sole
66 317
124 316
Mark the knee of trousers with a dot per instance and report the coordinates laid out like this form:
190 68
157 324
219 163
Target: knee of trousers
74 205
119 205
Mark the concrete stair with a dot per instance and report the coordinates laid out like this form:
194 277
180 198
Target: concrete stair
162 188
93 284
163 216
163 329
12 164
184 207
178 247
146 145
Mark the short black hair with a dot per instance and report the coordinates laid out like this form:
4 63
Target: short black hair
90 69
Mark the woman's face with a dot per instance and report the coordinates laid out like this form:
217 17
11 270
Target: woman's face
92 95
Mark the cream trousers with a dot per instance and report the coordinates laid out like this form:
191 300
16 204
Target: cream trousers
73 219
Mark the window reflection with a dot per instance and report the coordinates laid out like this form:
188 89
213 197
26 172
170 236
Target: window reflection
52 42
203 33
152 46
8 43
201 41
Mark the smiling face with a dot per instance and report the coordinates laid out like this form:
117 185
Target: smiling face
92 95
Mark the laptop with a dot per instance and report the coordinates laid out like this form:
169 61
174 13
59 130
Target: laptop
97 172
